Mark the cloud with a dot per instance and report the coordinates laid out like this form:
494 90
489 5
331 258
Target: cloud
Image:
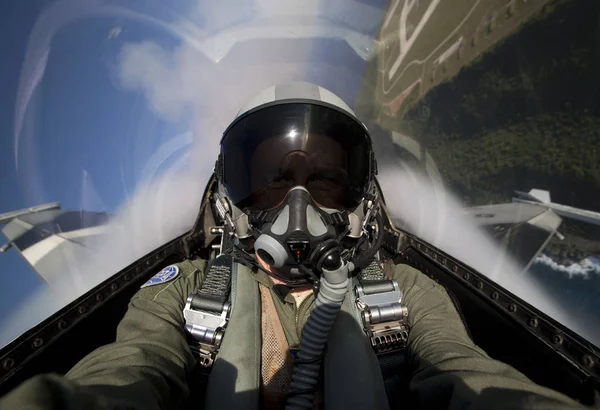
441 221
439 218
90 198
184 79
157 213
586 268
180 85
150 68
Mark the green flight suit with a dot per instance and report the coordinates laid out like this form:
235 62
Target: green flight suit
149 365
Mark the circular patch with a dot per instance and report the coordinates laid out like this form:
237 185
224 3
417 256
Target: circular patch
167 274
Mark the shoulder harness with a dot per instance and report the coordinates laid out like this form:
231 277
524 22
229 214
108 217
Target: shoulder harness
207 310
383 317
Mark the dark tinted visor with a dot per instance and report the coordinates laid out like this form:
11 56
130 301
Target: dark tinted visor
269 151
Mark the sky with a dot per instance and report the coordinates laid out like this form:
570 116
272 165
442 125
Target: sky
119 109
102 105
73 148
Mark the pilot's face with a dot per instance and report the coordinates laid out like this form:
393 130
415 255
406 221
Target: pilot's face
319 167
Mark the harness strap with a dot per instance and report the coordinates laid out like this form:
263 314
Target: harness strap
374 307
350 368
382 317
234 381
336 218
214 291
207 309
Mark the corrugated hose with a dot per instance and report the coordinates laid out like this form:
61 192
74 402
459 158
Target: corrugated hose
332 291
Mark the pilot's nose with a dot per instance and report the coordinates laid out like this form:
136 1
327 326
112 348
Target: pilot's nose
298 165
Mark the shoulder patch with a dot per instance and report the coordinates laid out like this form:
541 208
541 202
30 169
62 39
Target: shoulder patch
167 274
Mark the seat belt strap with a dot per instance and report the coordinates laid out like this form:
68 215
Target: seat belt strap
207 309
234 381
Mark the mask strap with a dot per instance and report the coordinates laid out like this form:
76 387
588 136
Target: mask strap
336 218
262 217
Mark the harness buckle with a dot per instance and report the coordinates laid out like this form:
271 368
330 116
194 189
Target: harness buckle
205 329
385 319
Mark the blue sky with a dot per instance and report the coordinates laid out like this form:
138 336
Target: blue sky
14 27
86 139
82 128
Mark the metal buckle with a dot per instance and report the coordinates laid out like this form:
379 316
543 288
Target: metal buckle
222 209
218 231
384 317
206 330
389 338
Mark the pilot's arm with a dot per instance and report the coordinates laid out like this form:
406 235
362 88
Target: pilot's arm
449 370
147 367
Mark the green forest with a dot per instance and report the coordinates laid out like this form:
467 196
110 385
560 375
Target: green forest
524 115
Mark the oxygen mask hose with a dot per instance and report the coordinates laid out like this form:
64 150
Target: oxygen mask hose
332 291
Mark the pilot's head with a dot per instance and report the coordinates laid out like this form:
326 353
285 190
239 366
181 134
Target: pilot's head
298 172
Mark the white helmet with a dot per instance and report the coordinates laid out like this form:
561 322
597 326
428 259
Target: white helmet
297 168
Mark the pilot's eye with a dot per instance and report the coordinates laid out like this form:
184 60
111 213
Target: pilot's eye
326 181
281 182
324 184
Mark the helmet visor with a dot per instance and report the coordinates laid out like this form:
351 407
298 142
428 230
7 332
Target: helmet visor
269 151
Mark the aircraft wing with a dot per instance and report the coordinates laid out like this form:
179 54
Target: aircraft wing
50 239
524 229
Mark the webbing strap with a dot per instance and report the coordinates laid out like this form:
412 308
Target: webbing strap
352 363
238 363
390 363
216 286
234 381
206 311
373 272
260 217
336 218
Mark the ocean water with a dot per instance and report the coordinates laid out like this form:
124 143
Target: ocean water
576 287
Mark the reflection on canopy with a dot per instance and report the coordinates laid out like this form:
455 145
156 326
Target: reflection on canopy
460 94
470 92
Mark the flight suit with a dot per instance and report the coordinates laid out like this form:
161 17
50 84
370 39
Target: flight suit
149 365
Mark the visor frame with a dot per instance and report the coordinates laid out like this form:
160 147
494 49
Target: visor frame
362 134
293 101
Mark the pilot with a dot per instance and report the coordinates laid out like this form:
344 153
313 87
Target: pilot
299 307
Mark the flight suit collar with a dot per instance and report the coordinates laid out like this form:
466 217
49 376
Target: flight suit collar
282 291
